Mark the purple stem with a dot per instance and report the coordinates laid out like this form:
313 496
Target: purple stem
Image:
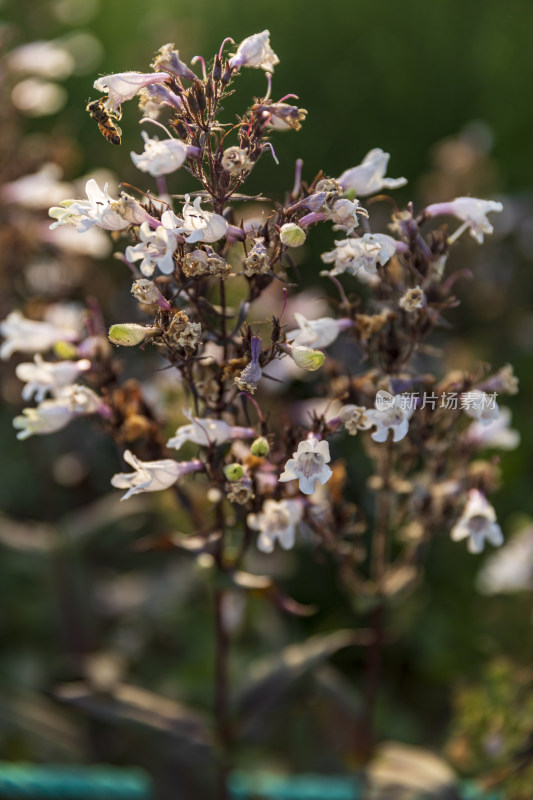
274 156
227 39
254 402
202 61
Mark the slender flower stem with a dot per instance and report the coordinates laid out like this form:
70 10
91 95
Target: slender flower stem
221 710
378 567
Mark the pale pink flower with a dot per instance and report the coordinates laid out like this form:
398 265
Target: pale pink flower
369 176
255 51
124 86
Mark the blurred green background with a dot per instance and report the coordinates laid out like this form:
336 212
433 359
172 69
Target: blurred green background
400 76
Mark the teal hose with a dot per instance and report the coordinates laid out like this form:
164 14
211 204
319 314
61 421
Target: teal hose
33 782
72 783
303 787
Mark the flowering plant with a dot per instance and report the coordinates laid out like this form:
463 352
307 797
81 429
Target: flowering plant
205 268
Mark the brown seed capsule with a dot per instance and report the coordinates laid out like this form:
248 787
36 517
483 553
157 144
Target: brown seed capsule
200 95
226 76
180 129
217 69
192 101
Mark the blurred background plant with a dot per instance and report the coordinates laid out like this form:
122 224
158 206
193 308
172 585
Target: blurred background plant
442 89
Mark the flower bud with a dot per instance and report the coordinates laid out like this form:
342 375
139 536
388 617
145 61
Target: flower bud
233 472
260 447
65 351
128 334
307 358
292 235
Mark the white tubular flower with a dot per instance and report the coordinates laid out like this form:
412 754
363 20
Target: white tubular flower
276 522
255 51
511 568
38 190
42 376
151 476
308 465
389 415
80 399
31 336
199 225
315 333
160 158
53 415
206 432
496 433
99 209
124 86
369 176
355 255
477 523
48 417
156 249
480 406
471 211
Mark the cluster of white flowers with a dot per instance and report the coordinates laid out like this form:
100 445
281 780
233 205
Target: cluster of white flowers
67 399
161 231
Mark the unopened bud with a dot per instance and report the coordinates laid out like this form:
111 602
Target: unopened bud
292 235
233 472
260 447
66 351
307 358
128 334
